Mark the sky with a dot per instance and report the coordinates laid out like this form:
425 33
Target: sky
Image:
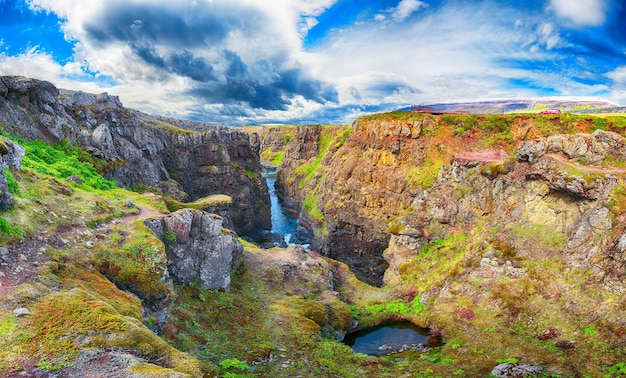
315 61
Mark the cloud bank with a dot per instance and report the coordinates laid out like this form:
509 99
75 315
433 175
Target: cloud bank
320 61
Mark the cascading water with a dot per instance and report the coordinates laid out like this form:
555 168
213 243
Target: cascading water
282 222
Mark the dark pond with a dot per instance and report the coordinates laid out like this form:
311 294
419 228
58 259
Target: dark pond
391 338
282 221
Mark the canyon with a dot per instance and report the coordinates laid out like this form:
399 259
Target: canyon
503 234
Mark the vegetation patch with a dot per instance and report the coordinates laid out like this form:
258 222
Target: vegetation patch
134 261
425 175
51 333
12 184
62 161
212 201
546 236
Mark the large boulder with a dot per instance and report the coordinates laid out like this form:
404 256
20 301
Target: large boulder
199 251
11 155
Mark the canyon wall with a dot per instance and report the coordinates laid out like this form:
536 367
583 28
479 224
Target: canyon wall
138 150
384 182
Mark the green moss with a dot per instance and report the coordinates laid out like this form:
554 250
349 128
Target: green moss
61 161
51 333
425 175
251 174
12 184
204 203
436 262
617 203
278 158
136 260
546 236
311 206
8 231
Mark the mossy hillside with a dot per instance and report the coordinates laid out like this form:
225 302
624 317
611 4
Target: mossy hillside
73 305
75 309
280 321
134 258
546 317
63 160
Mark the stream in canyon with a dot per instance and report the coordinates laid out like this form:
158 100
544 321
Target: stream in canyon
282 222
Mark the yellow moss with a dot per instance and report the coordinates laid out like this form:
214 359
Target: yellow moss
151 370
125 303
4 149
202 203
137 259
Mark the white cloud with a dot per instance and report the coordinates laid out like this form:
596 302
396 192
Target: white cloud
241 48
406 8
618 76
581 12
403 11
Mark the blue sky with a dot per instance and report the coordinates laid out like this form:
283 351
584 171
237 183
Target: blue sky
315 61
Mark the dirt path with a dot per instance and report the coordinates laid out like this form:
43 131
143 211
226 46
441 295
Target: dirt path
144 212
21 263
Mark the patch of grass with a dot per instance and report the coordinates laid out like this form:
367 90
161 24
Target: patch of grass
436 262
546 236
204 203
9 231
12 184
425 175
251 174
396 307
278 158
311 206
135 261
62 161
50 333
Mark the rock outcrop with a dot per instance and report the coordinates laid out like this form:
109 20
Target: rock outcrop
199 251
560 202
138 150
11 155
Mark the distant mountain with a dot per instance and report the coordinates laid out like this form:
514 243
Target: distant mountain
532 105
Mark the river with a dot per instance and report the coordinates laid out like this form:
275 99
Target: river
282 221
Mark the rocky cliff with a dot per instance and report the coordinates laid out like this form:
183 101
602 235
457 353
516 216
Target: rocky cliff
138 150
354 182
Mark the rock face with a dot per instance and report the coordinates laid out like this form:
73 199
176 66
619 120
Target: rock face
11 155
361 185
199 250
141 150
553 203
399 182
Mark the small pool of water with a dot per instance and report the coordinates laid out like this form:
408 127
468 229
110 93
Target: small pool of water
390 338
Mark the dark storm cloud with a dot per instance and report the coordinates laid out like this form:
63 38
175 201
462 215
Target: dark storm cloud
236 66
178 39
275 95
179 25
